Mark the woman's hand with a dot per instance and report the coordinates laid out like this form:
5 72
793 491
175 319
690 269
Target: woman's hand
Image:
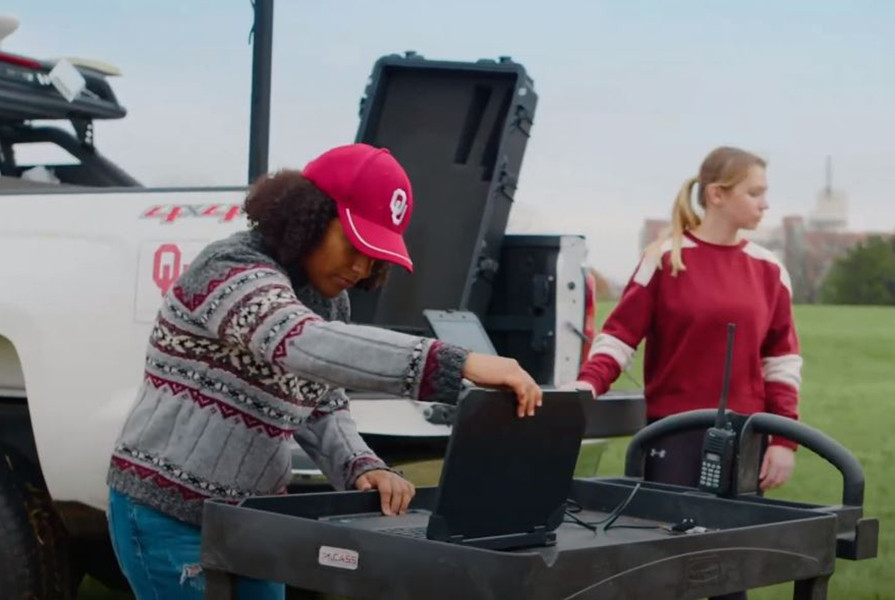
395 492
776 469
496 371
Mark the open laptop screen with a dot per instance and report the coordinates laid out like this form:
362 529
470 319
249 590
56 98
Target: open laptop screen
503 474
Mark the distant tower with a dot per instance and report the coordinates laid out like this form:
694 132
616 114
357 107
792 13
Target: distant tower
831 211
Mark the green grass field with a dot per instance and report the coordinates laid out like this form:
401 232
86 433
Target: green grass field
848 392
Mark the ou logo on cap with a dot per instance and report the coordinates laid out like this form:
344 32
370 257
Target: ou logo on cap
399 206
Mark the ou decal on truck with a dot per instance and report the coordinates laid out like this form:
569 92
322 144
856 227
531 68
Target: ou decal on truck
159 265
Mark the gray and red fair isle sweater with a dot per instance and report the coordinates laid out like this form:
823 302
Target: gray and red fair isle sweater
239 362
683 319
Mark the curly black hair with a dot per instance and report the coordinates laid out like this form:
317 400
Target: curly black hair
292 214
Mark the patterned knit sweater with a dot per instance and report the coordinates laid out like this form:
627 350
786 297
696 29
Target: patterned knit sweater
239 362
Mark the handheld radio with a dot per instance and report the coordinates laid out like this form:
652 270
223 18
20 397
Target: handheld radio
719 445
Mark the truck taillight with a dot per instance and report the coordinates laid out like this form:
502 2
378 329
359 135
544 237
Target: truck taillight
20 61
589 327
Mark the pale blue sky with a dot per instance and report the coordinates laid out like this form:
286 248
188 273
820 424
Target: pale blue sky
633 94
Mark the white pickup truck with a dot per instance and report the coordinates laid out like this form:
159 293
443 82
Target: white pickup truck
85 257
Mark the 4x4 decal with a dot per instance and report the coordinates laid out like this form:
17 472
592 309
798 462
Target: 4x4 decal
169 213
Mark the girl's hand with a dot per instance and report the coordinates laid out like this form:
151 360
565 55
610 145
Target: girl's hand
395 492
496 371
777 467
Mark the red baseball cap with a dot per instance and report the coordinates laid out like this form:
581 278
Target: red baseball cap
373 196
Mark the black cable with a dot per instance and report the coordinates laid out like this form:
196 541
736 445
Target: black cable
576 521
609 519
613 517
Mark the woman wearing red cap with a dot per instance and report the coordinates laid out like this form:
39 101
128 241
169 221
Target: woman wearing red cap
252 349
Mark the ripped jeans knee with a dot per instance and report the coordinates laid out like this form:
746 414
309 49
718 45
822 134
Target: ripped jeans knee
160 556
191 574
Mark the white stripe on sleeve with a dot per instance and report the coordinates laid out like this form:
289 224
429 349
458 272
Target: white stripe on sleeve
783 369
614 347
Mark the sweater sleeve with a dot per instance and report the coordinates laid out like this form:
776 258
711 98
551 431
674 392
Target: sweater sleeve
330 437
623 331
781 362
255 308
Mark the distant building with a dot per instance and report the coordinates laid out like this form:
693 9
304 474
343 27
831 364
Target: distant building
831 211
810 248
810 253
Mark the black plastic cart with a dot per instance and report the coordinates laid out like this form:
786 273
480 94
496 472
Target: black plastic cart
726 544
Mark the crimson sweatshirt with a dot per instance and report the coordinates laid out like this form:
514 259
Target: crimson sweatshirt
684 320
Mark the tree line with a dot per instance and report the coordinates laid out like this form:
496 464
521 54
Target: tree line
866 275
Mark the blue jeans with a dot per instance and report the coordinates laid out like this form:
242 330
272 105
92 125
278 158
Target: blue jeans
159 555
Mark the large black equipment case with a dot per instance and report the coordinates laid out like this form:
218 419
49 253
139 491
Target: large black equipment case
460 130
523 318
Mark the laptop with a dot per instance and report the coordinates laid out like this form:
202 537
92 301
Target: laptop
461 328
505 480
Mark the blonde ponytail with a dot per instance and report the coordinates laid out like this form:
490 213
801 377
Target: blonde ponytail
725 166
683 218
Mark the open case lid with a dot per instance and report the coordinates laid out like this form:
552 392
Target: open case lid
460 130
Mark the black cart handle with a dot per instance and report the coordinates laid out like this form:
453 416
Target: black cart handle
820 443
816 441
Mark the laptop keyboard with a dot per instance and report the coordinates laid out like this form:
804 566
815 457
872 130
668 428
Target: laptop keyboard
411 532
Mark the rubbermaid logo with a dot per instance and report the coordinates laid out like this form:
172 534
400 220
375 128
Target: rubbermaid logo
339 558
702 571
